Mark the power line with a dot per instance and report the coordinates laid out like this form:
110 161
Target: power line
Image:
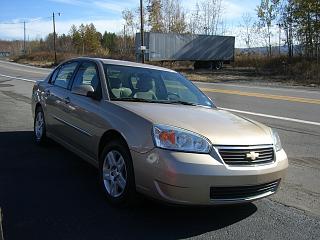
11 22
36 31
12 27
29 21
24 38
39 19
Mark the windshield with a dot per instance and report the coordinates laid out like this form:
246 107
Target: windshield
149 85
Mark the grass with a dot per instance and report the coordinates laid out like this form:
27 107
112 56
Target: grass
296 69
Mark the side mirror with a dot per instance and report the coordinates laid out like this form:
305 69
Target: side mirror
83 90
94 95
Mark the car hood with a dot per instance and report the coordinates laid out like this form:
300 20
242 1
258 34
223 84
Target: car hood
220 127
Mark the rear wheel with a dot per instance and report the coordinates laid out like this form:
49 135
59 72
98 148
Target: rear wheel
218 65
116 174
39 127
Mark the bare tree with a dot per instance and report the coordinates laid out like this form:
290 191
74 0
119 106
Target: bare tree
267 14
130 19
174 16
194 24
207 18
286 22
247 29
211 18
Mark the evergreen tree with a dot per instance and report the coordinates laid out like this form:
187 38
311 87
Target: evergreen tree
109 41
155 18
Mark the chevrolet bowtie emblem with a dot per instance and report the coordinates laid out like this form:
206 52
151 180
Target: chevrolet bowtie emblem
252 155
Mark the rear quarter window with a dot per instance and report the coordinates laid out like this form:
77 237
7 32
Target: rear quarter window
54 75
64 75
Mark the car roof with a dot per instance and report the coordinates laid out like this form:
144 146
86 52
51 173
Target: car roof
124 63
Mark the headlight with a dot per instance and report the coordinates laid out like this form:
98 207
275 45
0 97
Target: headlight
173 138
276 140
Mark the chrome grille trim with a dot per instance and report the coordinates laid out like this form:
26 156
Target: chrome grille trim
237 155
237 193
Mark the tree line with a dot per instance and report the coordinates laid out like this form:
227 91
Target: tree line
170 16
297 20
83 40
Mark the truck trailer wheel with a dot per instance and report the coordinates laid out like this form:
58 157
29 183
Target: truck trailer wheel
217 65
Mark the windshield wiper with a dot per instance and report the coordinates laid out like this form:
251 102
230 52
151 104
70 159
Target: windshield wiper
154 101
135 100
181 102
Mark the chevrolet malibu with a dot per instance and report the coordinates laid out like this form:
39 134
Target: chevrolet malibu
149 130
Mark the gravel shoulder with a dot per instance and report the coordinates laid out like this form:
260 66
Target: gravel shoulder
246 76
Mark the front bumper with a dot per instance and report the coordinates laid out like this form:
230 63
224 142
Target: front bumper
188 178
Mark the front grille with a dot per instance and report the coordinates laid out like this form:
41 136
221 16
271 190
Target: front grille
243 192
247 155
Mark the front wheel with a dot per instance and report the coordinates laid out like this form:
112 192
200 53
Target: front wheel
116 174
39 127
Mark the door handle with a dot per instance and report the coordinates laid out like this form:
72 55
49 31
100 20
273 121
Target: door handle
67 100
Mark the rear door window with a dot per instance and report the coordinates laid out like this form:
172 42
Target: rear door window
87 75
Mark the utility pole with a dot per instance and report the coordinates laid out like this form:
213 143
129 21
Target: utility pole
24 38
317 49
280 39
124 38
206 29
142 32
54 39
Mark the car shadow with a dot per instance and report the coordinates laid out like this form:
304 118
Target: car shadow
49 193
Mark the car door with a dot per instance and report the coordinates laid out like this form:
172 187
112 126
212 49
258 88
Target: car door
57 100
84 111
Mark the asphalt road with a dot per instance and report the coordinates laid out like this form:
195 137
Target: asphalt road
48 193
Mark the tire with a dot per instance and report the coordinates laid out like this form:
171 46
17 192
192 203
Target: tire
39 127
116 174
218 65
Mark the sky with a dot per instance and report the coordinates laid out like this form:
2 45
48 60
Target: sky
104 14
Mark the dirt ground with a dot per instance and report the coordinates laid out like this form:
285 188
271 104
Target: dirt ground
243 75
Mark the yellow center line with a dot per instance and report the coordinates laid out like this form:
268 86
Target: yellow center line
263 95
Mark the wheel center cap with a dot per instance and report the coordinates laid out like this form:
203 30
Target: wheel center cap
114 174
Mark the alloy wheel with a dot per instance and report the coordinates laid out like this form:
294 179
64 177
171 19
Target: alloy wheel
39 125
114 173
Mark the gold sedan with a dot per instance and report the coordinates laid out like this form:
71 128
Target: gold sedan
150 130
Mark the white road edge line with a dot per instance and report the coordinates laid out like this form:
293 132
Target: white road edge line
26 66
23 79
272 116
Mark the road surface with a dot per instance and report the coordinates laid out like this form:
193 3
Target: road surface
47 193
